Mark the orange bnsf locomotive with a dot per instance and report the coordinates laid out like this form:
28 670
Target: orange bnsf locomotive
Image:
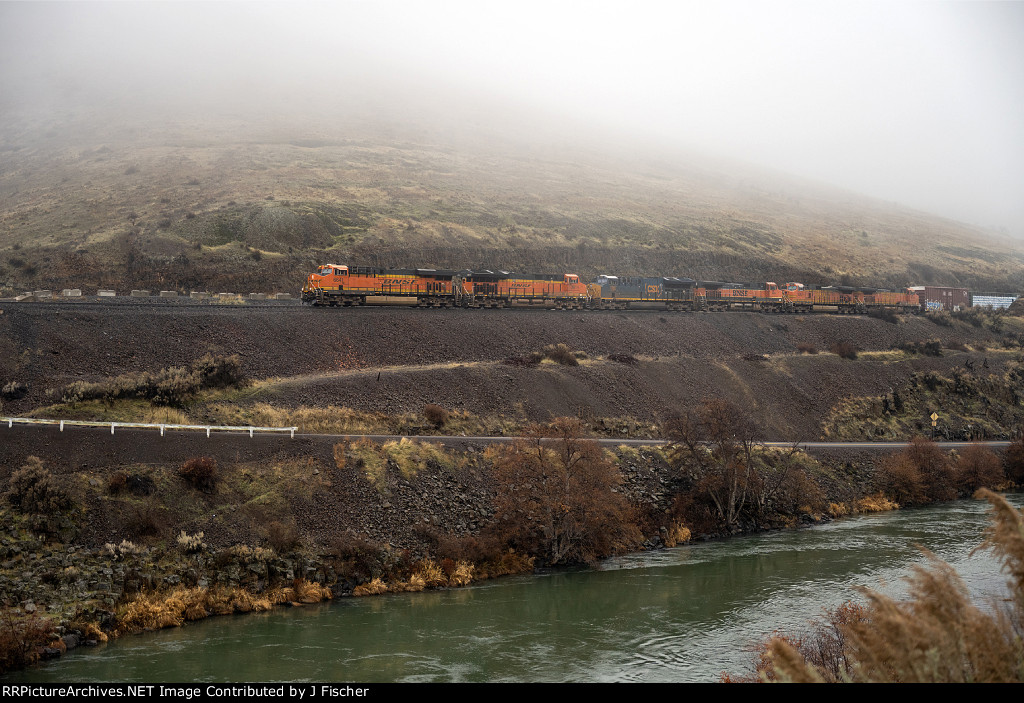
334 285
352 285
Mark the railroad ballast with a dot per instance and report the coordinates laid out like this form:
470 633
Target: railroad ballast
334 285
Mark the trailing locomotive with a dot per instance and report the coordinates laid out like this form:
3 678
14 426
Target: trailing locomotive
334 285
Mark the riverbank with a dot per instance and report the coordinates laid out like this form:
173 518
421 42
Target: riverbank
677 615
61 572
126 548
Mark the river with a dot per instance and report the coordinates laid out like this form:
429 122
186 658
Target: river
678 615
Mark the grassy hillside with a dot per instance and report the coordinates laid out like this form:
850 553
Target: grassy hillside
221 204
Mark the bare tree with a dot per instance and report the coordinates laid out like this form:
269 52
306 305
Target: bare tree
557 496
714 444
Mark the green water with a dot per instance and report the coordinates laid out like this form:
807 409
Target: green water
678 615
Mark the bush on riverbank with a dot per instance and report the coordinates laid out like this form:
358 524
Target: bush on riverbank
556 496
938 635
922 473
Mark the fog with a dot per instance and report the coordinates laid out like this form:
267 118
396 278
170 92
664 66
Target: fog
920 103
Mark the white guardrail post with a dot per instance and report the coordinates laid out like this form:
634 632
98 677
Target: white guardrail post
147 425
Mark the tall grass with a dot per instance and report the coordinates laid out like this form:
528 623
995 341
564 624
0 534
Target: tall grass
936 635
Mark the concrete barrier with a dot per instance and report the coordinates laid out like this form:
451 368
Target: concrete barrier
106 293
40 294
71 293
168 294
25 298
139 294
199 295
257 296
283 296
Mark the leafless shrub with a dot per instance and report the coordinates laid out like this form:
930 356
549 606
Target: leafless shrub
200 472
145 520
805 348
921 473
117 482
22 639
435 415
283 537
1013 461
34 490
844 350
978 467
557 496
359 558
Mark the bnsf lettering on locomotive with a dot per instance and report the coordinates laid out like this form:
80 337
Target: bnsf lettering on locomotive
398 281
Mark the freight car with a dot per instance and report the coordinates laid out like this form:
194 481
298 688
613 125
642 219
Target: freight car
335 285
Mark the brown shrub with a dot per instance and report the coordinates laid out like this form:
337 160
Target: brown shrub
34 490
805 348
978 467
557 496
936 469
1013 461
200 472
283 537
825 647
22 639
885 314
844 350
146 520
899 478
561 354
435 415
117 482
921 473
359 558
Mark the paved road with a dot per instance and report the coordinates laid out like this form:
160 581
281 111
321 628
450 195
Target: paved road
97 446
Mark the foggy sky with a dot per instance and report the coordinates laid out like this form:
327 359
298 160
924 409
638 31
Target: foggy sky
920 103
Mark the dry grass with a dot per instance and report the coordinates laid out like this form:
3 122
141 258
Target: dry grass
373 588
508 562
937 635
160 609
411 456
839 509
676 533
876 503
431 573
366 455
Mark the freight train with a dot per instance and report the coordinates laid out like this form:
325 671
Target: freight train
335 285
